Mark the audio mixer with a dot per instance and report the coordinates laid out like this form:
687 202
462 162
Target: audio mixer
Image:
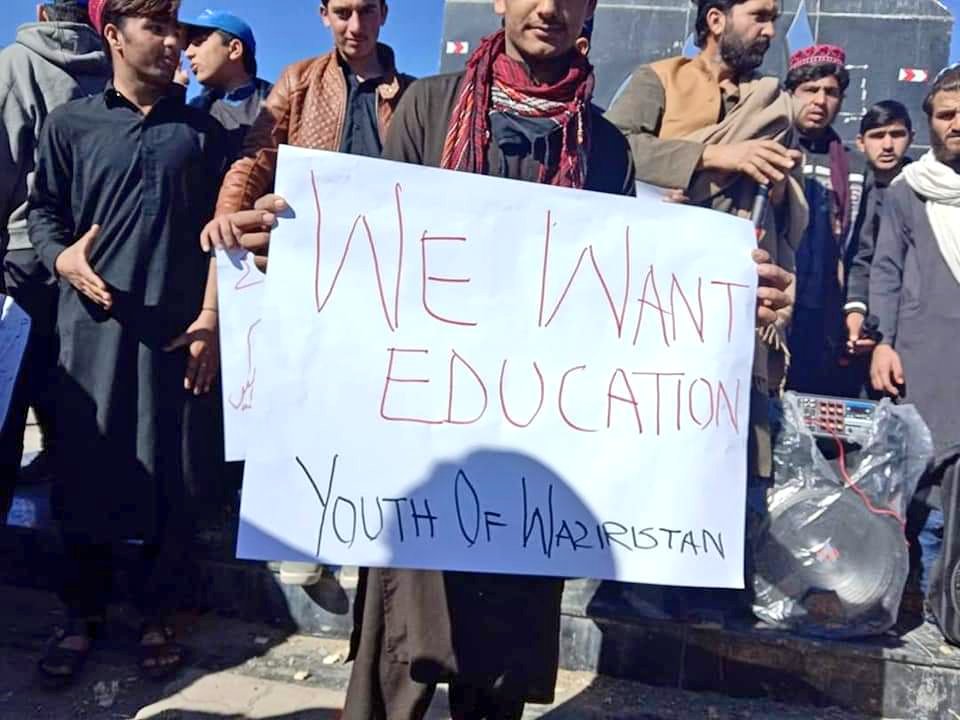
845 418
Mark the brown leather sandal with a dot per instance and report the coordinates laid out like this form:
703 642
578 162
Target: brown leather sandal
60 666
159 660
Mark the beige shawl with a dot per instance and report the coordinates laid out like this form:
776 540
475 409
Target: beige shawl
763 111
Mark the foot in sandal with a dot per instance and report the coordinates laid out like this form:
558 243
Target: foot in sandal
160 655
67 652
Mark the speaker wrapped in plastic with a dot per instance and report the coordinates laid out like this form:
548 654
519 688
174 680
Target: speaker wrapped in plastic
831 557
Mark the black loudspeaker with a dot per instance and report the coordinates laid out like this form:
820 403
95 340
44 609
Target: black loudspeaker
832 560
943 596
830 555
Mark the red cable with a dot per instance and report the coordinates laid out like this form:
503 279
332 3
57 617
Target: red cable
850 484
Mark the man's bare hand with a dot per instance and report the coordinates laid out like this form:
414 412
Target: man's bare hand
180 77
856 343
249 229
203 347
772 289
765 161
675 196
74 265
886 370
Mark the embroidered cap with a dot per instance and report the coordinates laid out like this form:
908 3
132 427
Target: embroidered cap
818 55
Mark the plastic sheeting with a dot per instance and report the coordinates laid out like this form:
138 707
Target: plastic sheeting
831 554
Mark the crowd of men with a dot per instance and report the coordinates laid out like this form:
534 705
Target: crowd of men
114 189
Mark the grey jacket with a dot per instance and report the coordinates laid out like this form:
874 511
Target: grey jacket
48 64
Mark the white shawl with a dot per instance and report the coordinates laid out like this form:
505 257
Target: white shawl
939 184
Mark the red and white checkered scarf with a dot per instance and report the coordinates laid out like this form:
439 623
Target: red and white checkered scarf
495 82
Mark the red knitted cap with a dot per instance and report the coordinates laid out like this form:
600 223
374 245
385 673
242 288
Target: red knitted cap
815 55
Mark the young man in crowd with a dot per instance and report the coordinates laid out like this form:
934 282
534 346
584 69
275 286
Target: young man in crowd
222 52
125 182
525 90
714 132
341 101
515 113
492 638
915 285
500 660
54 60
886 133
833 183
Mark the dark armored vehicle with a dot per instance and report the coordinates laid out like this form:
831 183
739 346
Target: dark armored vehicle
894 47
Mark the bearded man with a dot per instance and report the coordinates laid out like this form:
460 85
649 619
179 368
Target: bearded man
915 279
915 294
712 131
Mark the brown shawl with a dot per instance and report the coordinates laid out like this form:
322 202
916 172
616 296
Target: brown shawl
764 110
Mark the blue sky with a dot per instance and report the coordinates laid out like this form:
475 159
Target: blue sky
289 30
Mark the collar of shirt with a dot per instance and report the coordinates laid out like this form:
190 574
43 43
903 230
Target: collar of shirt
354 82
819 144
236 96
176 94
729 89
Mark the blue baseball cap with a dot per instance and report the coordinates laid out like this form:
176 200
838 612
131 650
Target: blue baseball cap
228 22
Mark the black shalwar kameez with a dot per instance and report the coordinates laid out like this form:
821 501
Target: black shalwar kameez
150 182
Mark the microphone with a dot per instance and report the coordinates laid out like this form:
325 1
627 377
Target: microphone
871 329
761 201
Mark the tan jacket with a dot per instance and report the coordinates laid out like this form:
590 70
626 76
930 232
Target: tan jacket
306 108
762 110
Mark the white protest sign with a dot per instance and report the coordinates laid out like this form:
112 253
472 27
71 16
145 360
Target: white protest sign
462 372
240 288
14 331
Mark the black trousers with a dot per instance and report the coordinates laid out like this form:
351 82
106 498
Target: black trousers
35 291
470 703
160 572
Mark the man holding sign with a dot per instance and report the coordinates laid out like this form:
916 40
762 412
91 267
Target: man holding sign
521 111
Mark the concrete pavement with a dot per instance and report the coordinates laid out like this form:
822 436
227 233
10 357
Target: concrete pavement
240 670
